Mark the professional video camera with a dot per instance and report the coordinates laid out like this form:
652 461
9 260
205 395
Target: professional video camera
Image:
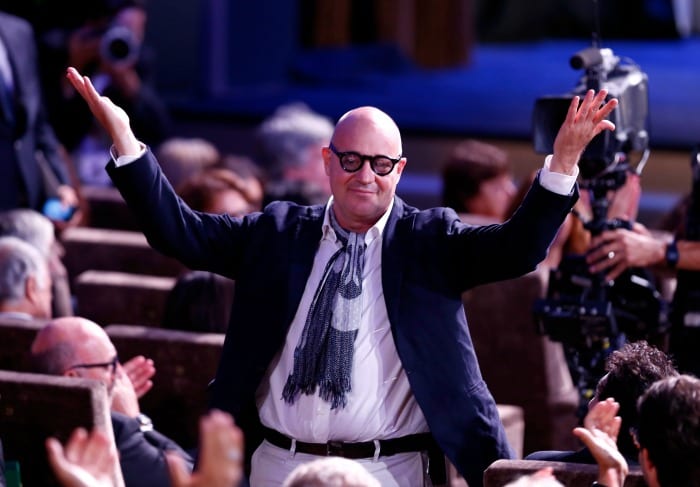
589 316
624 81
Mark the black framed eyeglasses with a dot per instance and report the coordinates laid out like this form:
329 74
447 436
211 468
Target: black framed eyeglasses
112 364
353 161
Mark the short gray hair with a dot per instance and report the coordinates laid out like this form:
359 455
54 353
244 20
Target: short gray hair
28 225
330 472
18 261
284 137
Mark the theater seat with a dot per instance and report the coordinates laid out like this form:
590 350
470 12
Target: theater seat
185 364
120 297
502 472
35 406
520 366
113 250
16 337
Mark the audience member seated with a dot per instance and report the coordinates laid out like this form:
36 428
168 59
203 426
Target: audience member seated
252 174
37 230
181 158
107 41
219 191
668 436
331 471
77 347
289 149
477 180
200 301
541 478
630 372
25 284
85 459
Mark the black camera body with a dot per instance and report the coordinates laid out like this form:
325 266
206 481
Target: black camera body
624 81
580 308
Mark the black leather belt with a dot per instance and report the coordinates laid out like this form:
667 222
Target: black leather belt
365 449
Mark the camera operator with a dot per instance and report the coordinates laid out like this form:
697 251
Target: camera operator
107 44
614 251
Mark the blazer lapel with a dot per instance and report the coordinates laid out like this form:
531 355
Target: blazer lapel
303 246
392 270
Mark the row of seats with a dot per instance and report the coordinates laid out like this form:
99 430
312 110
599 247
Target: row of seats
34 406
185 363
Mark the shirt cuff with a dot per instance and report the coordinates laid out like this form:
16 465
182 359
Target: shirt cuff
123 160
557 182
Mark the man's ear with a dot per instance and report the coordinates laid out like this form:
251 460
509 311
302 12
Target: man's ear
326 154
31 288
648 467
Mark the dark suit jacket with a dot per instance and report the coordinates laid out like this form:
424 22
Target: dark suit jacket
29 132
142 454
429 259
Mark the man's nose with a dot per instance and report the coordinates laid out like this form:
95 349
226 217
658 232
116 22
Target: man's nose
365 174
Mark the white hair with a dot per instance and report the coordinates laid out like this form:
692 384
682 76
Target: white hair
331 472
28 225
18 261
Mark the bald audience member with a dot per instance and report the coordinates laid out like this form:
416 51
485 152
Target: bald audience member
77 347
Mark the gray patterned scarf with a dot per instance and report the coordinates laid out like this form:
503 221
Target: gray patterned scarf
323 356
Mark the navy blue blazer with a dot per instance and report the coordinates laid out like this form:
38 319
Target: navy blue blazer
429 258
142 454
30 132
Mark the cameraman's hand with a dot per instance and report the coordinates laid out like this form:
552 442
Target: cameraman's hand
582 123
613 251
113 119
124 79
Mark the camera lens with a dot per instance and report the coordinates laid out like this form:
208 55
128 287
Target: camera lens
119 45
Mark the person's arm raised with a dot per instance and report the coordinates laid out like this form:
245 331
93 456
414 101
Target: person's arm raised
112 118
581 125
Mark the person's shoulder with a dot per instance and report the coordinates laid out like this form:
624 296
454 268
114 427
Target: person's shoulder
15 23
436 215
289 212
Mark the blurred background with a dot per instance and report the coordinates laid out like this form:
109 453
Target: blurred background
444 70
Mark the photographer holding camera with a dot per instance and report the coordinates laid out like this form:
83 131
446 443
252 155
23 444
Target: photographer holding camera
107 43
614 251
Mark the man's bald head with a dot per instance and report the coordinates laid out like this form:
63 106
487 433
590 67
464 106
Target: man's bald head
67 341
361 121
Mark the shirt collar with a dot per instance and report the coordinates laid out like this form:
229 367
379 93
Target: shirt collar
374 232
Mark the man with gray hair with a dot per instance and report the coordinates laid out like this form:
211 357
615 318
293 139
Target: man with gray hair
38 231
25 283
289 148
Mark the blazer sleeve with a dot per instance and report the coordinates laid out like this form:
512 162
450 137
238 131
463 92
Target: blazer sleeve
142 455
201 241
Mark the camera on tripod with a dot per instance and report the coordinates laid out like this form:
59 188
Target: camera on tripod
580 308
623 80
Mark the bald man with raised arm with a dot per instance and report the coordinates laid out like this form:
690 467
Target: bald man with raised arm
348 336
